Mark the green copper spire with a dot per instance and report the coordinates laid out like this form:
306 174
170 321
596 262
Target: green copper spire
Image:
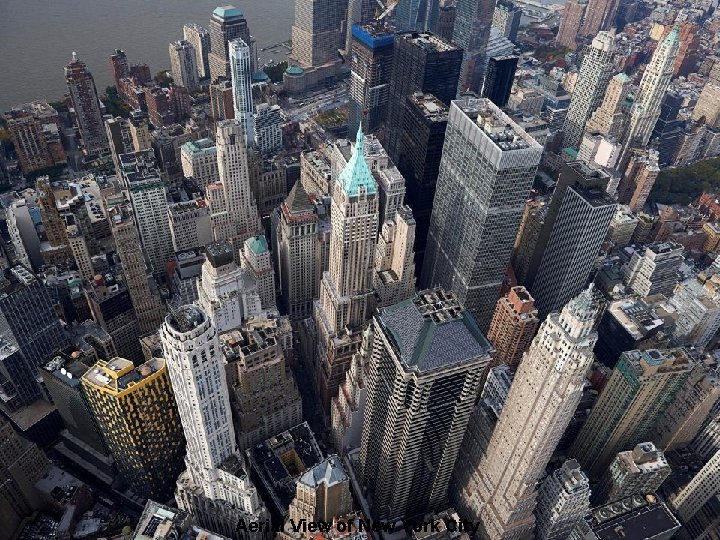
356 177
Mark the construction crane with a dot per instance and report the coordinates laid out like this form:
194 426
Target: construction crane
387 9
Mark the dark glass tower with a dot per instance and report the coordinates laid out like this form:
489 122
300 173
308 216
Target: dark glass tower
499 79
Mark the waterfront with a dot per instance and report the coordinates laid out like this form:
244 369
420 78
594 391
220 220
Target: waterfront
37 37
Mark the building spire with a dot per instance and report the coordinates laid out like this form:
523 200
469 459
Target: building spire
356 176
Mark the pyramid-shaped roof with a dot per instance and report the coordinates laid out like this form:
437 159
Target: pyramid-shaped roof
298 201
356 177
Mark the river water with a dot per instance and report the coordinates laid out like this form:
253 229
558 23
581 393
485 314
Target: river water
37 37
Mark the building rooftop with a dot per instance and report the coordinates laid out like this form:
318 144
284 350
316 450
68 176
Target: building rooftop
431 107
201 146
433 331
227 12
635 517
356 177
428 41
329 472
160 522
219 253
185 318
636 317
258 244
119 374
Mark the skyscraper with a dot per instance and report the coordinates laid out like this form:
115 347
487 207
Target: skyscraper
633 472
499 79
422 62
702 487
506 18
563 500
424 375
641 387
35 131
359 12
394 276
199 38
149 203
215 487
86 103
563 260
473 19
183 63
645 110
599 15
316 32
513 326
226 24
654 269
346 289
499 491
416 15
570 24
296 252
138 417
370 75
240 68
608 118
478 206
595 72
232 208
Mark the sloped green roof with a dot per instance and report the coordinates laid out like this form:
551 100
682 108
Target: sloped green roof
356 177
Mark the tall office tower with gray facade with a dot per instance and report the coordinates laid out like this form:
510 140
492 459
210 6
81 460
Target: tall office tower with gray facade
655 81
487 169
422 62
473 20
183 63
595 72
424 375
633 472
215 487
417 15
370 74
506 18
316 32
563 500
654 269
85 101
226 24
499 491
563 259
359 12
642 386
241 71
199 38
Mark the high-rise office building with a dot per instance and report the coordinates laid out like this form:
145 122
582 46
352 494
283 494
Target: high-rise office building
639 178
424 375
359 12
608 118
633 472
221 100
190 225
199 38
256 262
316 32
702 487
563 500
370 75
513 327
570 23
119 138
138 417
477 209
599 15
147 195
499 490
473 19
264 395
654 269
120 66
296 245
28 317
421 144
595 72
422 62
642 386
563 260
35 132
86 103
215 487
394 276
506 18
226 24
226 293
232 204
269 122
18 378
199 162
146 301
240 69
22 464
499 79
346 288
693 405
648 99
183 64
